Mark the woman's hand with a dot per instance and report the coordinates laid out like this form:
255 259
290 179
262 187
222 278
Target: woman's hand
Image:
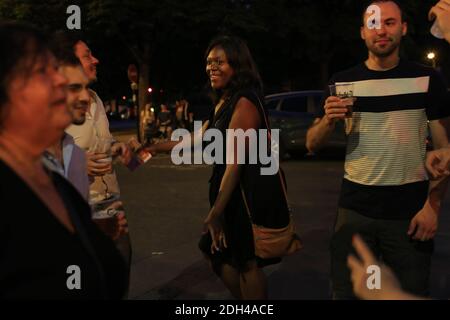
123 151
214 224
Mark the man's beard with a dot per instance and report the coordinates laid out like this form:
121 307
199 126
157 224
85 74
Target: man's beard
82 119
79 122
383 53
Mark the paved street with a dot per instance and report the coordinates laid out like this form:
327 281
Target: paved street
166 205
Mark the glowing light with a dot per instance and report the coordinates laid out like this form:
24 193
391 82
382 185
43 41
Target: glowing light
431 55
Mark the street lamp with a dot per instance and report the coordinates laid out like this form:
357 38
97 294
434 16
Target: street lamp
432 56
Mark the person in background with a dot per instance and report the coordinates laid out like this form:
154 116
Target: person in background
164 121
179 113
188 116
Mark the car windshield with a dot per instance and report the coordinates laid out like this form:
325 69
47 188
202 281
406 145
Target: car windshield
272 104
295 104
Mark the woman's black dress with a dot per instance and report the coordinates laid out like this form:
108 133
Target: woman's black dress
264 195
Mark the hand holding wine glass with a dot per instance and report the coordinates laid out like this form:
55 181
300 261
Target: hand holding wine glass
99 158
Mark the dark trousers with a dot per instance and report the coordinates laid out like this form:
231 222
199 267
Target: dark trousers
388 239
123 244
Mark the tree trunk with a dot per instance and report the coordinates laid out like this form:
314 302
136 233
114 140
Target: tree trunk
144 70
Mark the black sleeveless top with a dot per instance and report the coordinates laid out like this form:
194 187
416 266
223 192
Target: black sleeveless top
264 193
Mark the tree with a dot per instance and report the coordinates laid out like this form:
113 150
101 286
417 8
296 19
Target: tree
49 15
146 26
298 42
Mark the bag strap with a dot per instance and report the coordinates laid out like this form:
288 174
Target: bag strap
245 202
283 186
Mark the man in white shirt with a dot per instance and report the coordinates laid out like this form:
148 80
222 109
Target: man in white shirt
65 157
96 125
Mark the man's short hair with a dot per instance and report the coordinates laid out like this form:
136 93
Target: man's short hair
370 2
63 46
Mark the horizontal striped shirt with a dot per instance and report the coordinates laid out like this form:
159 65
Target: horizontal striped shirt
384 174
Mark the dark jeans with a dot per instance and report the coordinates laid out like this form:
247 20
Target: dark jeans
409 259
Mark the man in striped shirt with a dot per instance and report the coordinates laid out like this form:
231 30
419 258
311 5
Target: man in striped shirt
386 196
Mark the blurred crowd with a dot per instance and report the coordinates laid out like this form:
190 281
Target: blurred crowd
159 123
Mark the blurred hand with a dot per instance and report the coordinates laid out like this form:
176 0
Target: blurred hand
96 168
151 149
335 109
441 12
424 225
118 227
123 151
122 225
390 287
438 162
214 224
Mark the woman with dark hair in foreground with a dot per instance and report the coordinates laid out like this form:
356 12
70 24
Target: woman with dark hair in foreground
50 248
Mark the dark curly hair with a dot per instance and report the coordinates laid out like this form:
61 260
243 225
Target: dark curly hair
246 75
21 45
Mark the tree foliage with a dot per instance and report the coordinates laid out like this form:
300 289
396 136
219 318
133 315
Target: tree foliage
296 43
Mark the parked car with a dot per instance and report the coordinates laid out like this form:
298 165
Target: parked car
293 113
